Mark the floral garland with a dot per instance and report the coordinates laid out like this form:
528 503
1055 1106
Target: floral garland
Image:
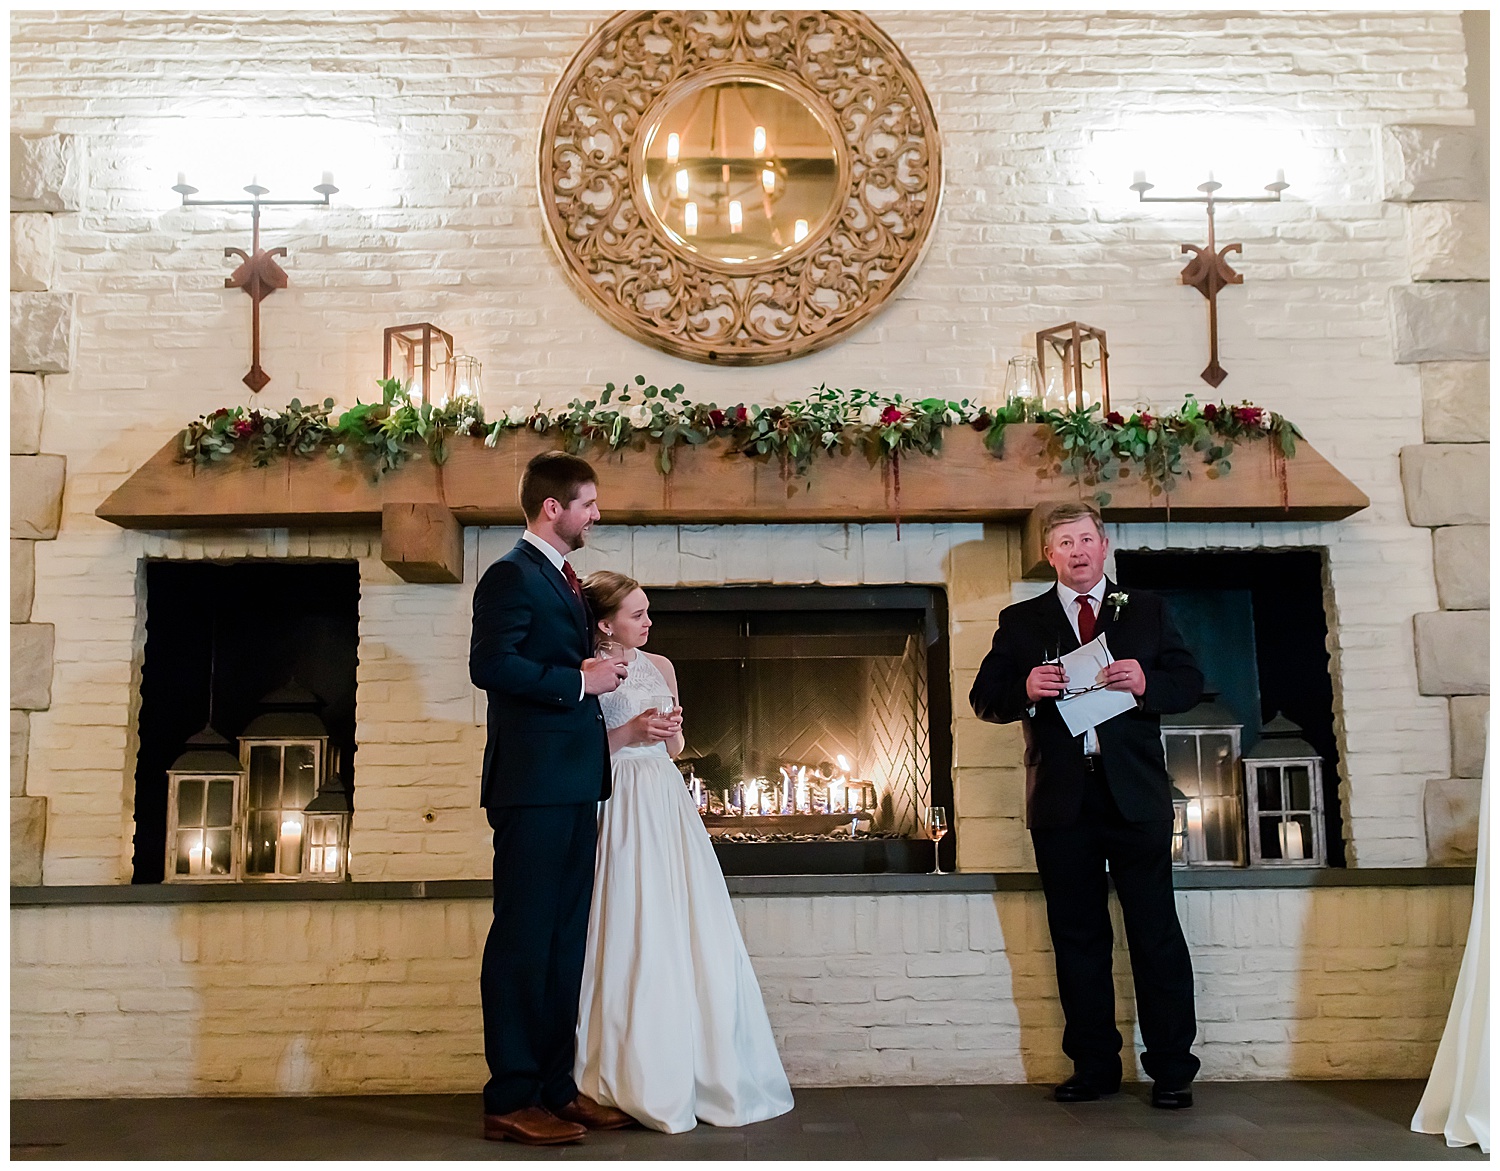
1091 448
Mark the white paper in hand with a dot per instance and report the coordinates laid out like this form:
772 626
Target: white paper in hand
1084 709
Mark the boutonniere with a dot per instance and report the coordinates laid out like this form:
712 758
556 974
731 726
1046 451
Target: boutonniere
1119 600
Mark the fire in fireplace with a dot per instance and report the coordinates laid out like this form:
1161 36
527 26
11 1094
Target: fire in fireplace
817 721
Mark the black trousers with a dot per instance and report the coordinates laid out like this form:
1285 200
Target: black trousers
533 958
1072 865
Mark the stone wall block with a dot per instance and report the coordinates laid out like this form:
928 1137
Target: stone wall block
31 252
28 834
41 332
1451 806
1448 241
1461 563
1469 719
46 172
1455 402
20 743
22 579
1446 483
1453 652
36 488
1424 163
31 646
25 414
1444 322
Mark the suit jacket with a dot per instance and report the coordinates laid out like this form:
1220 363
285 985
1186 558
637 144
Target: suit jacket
545 745
1130 744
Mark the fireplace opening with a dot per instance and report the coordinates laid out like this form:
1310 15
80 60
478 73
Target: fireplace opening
817 722
278 643
1254 620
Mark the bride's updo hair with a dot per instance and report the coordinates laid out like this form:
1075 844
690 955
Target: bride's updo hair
607 591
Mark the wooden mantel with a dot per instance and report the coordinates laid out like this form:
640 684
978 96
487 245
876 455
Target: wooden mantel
422 506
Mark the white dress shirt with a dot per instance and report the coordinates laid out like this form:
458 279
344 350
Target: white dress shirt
1069 599
556 559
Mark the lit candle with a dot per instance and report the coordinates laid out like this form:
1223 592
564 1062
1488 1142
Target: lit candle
327 179
1210 176
181 179
682 183
1291 840
768 180
736 216
799 231
804 797
290 842
760 141
690 218
195 859
1194 829
674 145
1140 177
1280 175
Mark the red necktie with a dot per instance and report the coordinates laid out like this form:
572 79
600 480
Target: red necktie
1085 619
577 587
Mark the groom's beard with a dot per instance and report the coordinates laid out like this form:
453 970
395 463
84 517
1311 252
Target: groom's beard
576 540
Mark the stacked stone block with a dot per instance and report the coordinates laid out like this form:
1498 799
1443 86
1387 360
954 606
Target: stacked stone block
45 182
1440 322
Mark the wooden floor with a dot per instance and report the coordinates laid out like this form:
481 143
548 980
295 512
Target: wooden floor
1231 1120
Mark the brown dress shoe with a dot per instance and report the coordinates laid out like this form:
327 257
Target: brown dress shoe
533 1126
587 1112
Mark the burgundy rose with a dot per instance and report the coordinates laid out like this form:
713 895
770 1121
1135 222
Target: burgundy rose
1210 412
1249 416
1114 419
1147 419
476 429
716 418
890 415
740 413
243 427
980 422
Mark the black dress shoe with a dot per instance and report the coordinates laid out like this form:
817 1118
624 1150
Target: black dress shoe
1081 1089
1165 1099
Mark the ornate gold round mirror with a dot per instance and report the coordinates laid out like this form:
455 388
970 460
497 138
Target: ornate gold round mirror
739 187
739 168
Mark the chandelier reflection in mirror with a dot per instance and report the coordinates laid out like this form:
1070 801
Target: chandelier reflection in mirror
739 187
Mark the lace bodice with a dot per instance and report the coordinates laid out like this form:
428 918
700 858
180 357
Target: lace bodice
642 685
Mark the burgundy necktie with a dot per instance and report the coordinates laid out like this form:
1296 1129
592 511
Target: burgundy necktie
577 587
1085 619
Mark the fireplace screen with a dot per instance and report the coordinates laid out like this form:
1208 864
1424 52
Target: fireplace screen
809 711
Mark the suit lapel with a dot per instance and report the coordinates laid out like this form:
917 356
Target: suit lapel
1067 640
558 583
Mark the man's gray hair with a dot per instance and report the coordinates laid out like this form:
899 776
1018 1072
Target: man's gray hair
1066 514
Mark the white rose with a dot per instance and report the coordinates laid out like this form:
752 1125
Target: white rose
869 415
952 417
639 415
516 416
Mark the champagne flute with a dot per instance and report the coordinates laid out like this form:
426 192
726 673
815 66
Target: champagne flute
937 828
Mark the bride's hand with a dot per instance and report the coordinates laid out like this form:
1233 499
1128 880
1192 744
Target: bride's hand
651 727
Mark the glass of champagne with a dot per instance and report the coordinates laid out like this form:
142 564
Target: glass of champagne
937 828
608 648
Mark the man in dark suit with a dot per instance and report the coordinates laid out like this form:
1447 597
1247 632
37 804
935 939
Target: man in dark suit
1103 797
546 768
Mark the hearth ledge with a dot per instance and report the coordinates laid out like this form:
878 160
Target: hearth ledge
757 886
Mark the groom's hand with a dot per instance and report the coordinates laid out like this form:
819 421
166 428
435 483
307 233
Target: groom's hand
601 676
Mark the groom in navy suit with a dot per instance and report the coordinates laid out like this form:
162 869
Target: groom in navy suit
1101 800
546 768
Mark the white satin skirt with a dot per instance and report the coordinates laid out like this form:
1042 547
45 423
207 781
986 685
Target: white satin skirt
671 1025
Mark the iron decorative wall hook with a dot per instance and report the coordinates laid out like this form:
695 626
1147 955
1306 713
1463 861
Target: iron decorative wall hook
1208 271
258 273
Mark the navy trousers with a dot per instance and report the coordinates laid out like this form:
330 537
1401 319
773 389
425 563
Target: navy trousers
533 958
1072 866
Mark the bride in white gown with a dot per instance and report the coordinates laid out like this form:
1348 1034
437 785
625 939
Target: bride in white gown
671 1025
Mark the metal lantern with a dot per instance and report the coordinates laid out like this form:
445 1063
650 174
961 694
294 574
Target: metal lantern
1203 752
203 799
325 821
1075 356
1284 798
285 753
421 355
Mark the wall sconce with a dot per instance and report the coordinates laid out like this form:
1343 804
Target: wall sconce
1209 271
1076 356
421 356
258 274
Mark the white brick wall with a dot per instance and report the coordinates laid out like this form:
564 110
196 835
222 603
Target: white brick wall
383 997
443 225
